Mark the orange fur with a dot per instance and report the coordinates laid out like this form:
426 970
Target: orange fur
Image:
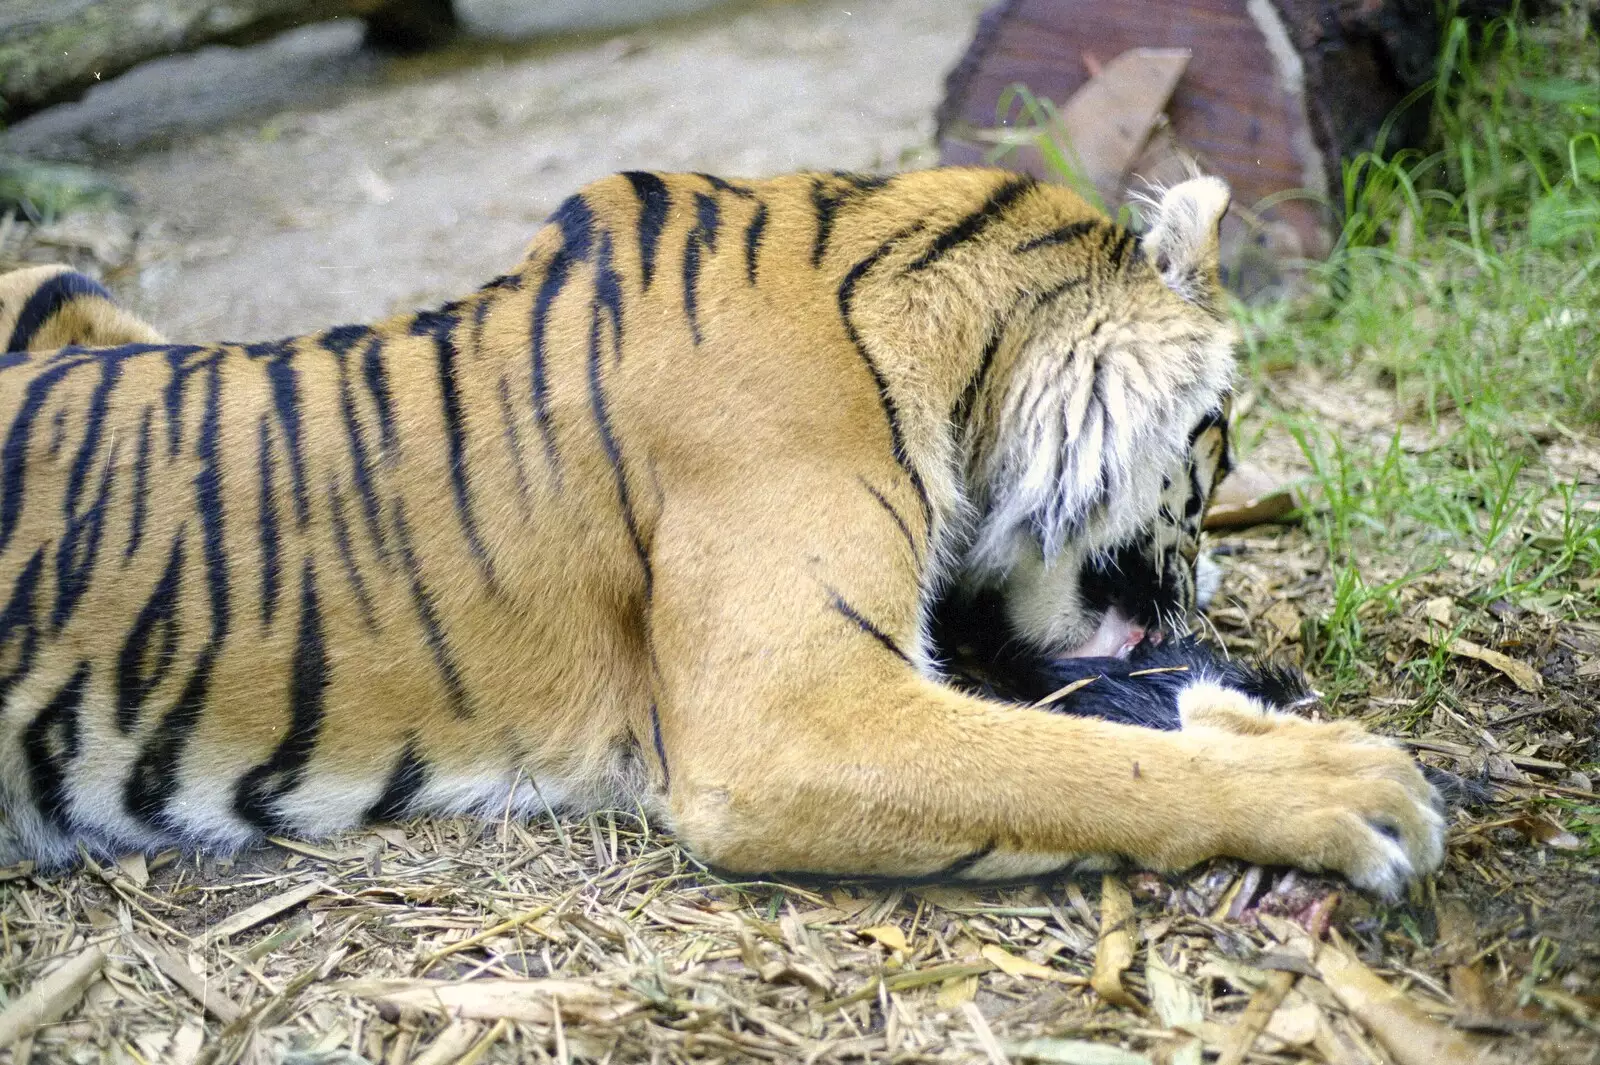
660 518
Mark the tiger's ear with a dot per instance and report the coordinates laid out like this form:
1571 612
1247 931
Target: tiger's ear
1182 239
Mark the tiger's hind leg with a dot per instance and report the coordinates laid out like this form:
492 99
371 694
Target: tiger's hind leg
797 733
43 308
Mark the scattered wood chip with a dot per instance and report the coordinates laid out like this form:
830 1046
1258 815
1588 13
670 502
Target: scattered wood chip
1409 1035
1114 952
264 910
1440 609
1253 1021
1012 965
1175 1003
1521 674
51 997
528 1001
986 1039
193 984
456 1039
1073 1052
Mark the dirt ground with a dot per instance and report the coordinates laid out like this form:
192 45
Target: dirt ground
306 182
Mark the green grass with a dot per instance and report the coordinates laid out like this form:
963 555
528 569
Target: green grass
1465 284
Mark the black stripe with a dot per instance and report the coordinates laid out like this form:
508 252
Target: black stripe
576 223
255 799
50 743
19 633
141 487
509 282
174 396
861 622
151 648
352 569
46 300
444 658
721 185
84 527
975 223
905 530
1119 251
441 328
828 198
14 453
608 301
376 376
508 419
154 778
654 204
962 865
969 393
267 524
891 412
360 454
79 547
703 237
283 381
406 781
1067 234
340 340
753 234
661 747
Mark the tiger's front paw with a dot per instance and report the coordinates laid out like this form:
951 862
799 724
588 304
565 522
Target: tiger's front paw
1326 797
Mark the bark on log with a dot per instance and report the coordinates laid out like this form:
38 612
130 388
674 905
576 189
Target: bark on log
54 50
1275 95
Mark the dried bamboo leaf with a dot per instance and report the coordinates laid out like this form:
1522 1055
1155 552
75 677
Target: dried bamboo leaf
1073 1052
1012 965
50 998
1409 1035
1115 950
1175 1003
264 910
528 1001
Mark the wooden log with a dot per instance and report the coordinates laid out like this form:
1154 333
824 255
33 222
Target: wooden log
1276 93
54 50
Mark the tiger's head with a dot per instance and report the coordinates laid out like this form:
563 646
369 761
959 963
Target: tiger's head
1094 455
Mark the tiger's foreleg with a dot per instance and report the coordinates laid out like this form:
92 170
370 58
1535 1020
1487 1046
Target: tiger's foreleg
798 735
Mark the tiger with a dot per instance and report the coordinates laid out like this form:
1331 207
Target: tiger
662 520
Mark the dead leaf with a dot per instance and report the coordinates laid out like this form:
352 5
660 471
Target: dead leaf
1115 951
1249 496
888 935
1522 675
1590 668
528 1001
1109 119
134 868
1546 831
1409 1035
1012 965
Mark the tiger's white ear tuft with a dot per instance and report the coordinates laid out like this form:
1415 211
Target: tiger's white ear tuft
1182 239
